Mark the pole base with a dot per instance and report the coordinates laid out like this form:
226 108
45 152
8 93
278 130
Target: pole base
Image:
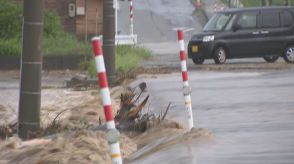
28 130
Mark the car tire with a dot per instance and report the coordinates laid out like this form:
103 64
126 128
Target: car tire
220 55
197 60
289 54
271 59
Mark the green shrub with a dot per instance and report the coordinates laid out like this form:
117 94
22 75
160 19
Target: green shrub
251 3
55 40
67 45
58 42
52 25
10 20
91 68
10 47
127 58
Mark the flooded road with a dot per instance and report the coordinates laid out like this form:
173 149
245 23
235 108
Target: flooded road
249 113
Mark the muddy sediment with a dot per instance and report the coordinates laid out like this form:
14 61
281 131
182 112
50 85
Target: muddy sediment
75 142
70 147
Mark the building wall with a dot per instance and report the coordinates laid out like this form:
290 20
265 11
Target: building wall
84 26
61 8
89 24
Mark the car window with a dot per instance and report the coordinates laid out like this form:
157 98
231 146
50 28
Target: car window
270 20
221 22
287 18
231 22
217 22
247 20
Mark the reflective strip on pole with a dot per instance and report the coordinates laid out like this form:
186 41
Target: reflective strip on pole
131 18
186 87
104 91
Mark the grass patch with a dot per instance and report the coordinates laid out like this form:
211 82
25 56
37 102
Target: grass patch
257 3
127 58
67 45
10 47
250 3
254 3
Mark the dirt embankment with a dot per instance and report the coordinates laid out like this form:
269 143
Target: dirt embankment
69 147
74 112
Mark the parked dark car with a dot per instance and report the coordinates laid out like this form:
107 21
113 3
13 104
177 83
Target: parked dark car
266 32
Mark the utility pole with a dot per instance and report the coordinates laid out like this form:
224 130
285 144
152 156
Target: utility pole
116 8
109 40
31 66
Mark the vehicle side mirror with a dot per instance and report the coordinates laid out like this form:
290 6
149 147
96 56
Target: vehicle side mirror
236 27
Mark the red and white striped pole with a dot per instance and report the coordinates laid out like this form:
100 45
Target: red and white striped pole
131 18
198 3
112 134
186 87
215 7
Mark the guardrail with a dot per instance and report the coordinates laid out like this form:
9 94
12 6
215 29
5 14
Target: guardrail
126 39
123 39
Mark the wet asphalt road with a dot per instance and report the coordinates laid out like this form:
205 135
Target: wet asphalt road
155 20
249 113
154 23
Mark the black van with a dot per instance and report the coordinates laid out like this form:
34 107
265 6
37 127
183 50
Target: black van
266 32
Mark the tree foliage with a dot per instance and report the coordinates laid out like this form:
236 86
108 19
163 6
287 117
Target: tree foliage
56 40
10 20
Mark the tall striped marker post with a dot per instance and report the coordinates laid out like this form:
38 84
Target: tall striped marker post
186 87
198 3
131 18
112 134
214 6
